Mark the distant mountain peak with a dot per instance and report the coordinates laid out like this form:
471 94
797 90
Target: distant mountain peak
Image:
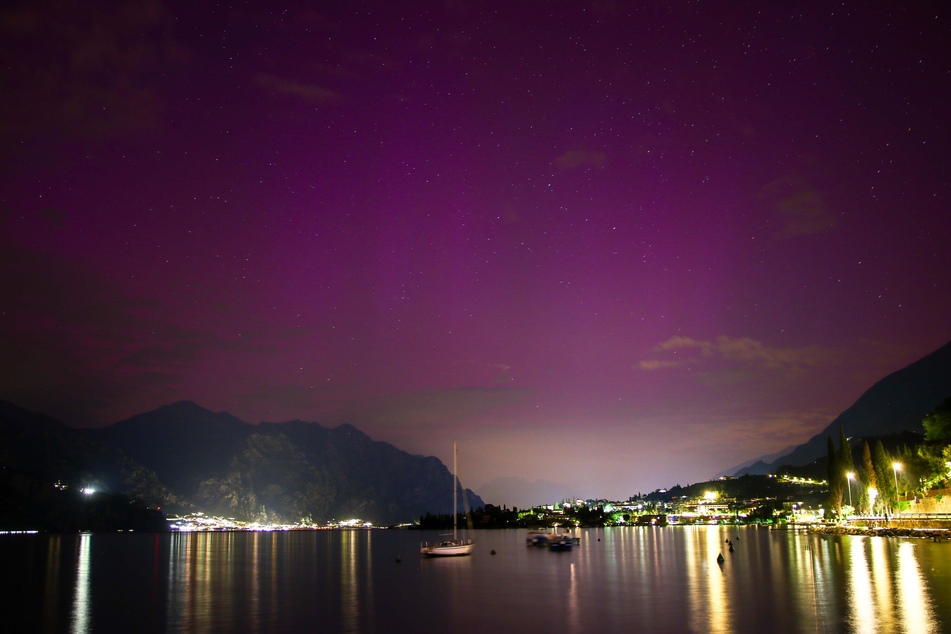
189 405
347 428
179 412
189 408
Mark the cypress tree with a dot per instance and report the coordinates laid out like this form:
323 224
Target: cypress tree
886 478
868 472
834 477
846 463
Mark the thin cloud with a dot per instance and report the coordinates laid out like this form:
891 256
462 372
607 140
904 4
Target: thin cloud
750 436
580 158
657 364
308 92
81 70
800 207
743 352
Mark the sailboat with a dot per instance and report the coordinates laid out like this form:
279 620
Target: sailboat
454 547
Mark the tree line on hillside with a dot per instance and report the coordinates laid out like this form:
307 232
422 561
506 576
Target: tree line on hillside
491 516
875 482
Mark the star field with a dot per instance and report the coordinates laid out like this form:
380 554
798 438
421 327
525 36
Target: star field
608 246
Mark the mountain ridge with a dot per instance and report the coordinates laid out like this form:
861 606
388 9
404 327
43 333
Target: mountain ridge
185 457
894 404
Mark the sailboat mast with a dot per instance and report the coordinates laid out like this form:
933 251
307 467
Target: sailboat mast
455 486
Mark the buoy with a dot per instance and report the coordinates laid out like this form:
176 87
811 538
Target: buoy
398 560
493 552
731 548
720 558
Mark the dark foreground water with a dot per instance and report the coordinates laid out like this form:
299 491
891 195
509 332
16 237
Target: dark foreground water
617 580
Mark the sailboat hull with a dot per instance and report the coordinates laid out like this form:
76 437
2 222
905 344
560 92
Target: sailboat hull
447 549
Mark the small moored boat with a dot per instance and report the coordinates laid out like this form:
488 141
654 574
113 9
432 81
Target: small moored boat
554 541
562 542
448 548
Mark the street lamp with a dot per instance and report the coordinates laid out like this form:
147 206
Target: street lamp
850 475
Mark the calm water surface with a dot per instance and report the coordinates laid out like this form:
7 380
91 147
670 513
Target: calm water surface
620 579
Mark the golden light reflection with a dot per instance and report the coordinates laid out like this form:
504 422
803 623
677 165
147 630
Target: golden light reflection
799 564
708 604
274 590
718 602
862 615
350 596
574 608
79 624
824 563
881 576
368 593
196 589
914 602
255 577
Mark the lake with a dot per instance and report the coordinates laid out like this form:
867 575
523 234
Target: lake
658 579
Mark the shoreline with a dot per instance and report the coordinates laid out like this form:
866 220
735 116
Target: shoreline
935 534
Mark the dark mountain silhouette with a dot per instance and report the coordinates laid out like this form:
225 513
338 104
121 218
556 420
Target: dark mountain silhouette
39 454
175 439
277 472
44 448
895 404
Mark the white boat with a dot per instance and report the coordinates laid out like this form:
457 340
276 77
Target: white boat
451 547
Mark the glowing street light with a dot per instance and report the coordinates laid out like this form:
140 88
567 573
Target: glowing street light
896 467
850 475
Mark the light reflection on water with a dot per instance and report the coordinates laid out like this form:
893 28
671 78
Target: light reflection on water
648 579
81 599
349 575
886 589
913 601
51 582
862 608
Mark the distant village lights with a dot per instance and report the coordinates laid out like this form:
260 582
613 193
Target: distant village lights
199 522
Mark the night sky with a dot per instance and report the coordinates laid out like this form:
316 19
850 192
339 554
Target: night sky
608 247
